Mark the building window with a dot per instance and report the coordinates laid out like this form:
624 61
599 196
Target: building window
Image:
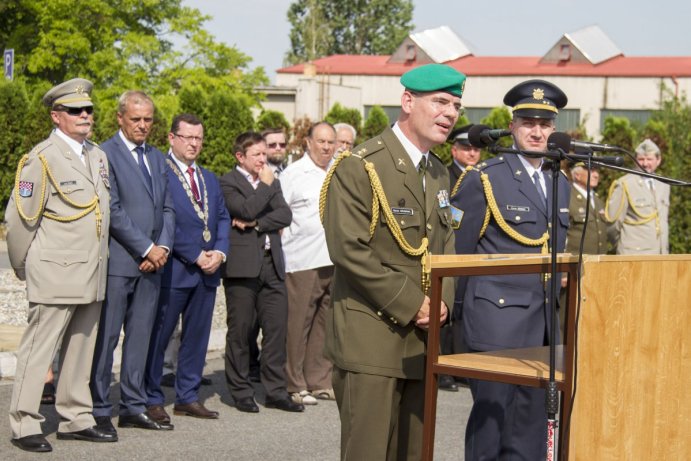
568 119
636 117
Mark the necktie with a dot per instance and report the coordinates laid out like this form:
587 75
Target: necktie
541 193
142 166
421 169
193 186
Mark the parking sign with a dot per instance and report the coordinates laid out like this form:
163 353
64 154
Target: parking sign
9 64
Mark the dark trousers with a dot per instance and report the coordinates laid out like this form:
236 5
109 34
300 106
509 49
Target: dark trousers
131 303
507 422
196 306
265 297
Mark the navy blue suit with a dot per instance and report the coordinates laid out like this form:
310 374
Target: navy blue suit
139 217
506 311
187 291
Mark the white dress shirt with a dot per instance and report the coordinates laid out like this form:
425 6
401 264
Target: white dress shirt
304 242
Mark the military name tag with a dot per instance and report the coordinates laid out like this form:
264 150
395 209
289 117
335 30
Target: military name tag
517 208
563 210
403 211
68 183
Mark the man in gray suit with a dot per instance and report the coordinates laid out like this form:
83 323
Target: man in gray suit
57 239
142 231
639 207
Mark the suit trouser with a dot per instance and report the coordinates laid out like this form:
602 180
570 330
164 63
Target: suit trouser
131 302
265 297
309 297
75 326
381 417
507 422
196 306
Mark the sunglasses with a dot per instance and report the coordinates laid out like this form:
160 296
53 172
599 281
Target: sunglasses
275 145
75 111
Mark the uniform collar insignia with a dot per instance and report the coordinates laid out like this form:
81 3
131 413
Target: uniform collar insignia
401 162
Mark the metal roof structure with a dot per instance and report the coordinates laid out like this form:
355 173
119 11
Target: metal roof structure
594 44
441 44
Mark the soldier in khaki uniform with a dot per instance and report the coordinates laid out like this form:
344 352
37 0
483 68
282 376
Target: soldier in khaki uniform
639 207
376 330
57 237
596 228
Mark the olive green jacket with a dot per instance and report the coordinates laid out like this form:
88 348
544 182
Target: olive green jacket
377 287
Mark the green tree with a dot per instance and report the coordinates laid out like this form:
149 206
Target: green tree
376 122
13 116
338 113
272 119
326 27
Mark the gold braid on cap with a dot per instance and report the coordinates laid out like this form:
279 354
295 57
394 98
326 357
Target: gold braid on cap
643 219
379 201
86 208
493 211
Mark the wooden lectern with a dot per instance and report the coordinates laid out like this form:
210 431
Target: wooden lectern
631 354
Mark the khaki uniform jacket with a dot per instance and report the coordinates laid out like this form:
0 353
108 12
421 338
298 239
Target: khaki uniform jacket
632 237
377 287
62 262
595 230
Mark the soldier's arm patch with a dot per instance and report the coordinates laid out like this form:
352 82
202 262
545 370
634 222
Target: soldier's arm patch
456 217
26 188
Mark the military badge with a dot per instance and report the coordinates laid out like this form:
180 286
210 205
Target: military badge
443 198
456 217
538 93
26 188
104 174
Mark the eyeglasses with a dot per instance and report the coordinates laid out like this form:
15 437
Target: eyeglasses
189 139
75 111
276 145
440 103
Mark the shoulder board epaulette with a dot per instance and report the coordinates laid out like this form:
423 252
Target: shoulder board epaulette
368 147
40 147
490 162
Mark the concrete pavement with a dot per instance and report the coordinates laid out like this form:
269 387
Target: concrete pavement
269 435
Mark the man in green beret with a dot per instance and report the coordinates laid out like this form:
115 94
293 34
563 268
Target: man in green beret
57 240
381 306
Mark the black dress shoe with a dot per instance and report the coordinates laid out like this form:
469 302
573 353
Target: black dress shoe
168 380
206 381
104 424
447 383
91 434
247 404
144 421
285 404
36 443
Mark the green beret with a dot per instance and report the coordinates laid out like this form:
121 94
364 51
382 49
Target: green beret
434 77
72 93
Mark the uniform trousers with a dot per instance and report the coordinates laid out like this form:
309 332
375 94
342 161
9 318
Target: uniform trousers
381 416
265 297
73 328
309 297
196 307
507 422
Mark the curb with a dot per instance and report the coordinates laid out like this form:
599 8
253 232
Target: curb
8 360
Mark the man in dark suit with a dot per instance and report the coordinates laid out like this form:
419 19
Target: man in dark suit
463 154
375 333
141 235
509 311
191 275
254 277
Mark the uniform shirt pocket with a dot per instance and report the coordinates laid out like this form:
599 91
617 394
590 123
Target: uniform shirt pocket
519 214
503 295
69 186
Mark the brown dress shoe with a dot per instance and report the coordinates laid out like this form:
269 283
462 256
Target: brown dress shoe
158 413
196 409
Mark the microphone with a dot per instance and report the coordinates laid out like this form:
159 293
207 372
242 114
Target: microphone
562 141
483 136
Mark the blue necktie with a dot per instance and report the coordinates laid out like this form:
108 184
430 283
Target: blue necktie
541 193
142 166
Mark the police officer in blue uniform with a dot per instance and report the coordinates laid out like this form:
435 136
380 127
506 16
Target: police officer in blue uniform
510 311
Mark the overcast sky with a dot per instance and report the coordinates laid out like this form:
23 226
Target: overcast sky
259 28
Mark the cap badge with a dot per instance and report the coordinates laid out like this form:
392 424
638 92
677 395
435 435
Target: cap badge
538 93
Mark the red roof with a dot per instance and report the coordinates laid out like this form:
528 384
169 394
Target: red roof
620 66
